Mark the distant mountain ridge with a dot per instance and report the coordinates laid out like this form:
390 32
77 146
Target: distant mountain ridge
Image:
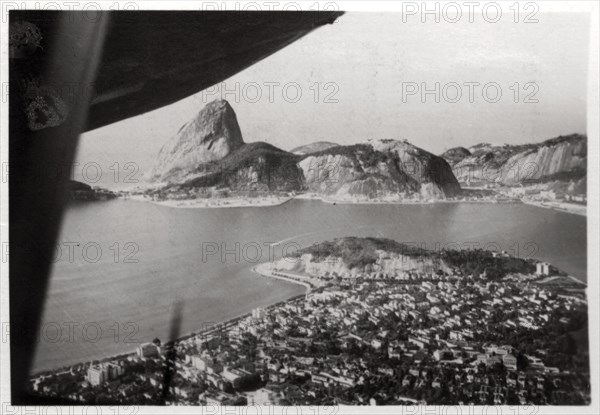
78 191
561 159
313 147
208 155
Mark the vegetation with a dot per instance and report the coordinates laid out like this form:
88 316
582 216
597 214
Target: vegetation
479 261
456 154
365 153
275 169
361 252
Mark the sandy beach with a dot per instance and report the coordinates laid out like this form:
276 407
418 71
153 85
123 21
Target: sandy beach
216 203
573 208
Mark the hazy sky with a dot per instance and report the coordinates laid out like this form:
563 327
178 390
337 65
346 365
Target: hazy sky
363 60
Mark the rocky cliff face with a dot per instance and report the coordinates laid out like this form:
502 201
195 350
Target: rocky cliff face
552 159
351 255
387 263
378 169
212 135
562 159
253 167
209 153
433 173
372 256
208 157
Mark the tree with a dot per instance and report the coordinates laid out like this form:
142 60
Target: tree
522 361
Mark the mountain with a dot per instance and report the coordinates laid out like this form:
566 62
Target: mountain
455 155
77 191
555 162
387 257
253 167
208 156
210 136
313 147
379 169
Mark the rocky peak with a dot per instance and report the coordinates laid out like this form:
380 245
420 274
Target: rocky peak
560 160
421 165
210 136
455 154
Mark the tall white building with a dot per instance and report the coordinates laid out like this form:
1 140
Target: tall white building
542 268
262 396
258 313
98 374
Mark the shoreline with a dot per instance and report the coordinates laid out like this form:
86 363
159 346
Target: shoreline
402 202
214 203
262 269
580 210
187 336
278 201
257 269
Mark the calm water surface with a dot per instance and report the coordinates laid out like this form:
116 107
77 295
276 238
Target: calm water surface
174 256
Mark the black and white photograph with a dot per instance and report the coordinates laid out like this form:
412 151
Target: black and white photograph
299 207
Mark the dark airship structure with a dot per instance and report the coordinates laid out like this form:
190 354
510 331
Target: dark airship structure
74 71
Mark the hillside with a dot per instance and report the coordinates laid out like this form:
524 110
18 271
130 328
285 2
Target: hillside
455 155
252 167
379 169
208 157
366 255
557 162
77 191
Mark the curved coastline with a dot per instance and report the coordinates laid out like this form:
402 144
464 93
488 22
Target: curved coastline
219 325
262 269
279 201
